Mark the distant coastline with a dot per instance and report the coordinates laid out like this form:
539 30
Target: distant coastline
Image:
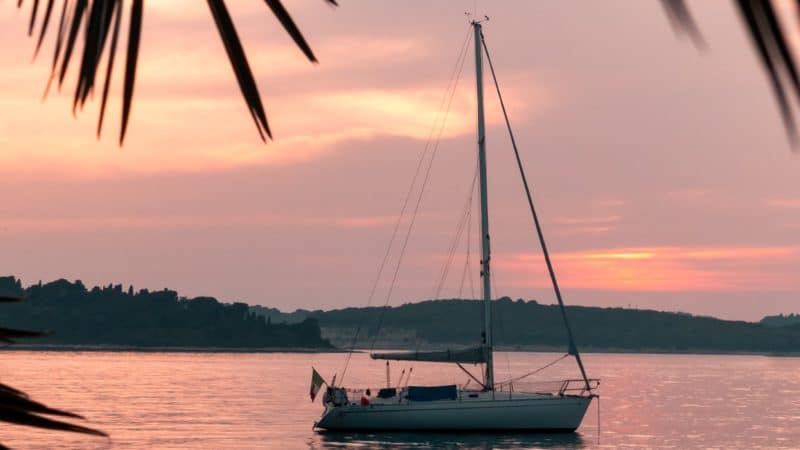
112 318
164 349
523 349
530 326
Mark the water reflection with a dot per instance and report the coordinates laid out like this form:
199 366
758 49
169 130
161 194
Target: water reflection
183 401
412 440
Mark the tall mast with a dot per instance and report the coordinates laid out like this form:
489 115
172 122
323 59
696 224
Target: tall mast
485 253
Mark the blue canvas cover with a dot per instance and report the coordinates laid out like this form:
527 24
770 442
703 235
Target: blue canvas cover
431 393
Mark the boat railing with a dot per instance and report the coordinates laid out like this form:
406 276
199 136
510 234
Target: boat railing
400 394
555 387
354 395
545 387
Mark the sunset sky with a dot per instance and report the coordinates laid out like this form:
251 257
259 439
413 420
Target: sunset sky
662 173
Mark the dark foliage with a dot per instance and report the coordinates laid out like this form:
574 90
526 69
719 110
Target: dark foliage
85 27
113 316
275 315
764 29
781 320
529 323
15 406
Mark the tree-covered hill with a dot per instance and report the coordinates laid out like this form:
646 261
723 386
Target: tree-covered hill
781 320
111 315
528 323
114 316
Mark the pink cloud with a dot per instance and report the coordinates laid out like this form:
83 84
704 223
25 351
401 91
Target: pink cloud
784 203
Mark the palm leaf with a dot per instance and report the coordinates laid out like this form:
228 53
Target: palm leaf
66 12
95 20
8 335
17 407
19 401
32 22
134 35
18 417
97 26
110 64
241 67
290 27
74 26
682 21
6 388
765 32
47 13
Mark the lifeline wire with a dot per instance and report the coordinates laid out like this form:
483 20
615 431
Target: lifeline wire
419 199
403 209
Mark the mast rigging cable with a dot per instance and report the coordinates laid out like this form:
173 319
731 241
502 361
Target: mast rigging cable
452 82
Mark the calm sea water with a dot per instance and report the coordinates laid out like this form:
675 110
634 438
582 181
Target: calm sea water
244 401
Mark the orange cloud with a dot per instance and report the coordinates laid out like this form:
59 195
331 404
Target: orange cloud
586 220
202 124
189 115
665 269
212 133
173 67
586 225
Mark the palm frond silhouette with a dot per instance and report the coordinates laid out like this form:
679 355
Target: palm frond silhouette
17 408
91 29
99 23
760 20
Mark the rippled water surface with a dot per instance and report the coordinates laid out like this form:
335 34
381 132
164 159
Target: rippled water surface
243 401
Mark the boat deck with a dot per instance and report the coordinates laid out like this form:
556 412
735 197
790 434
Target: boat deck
532 391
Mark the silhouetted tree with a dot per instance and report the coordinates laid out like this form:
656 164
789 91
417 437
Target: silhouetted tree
155 319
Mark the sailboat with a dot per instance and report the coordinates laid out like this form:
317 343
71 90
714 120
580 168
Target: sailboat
491 405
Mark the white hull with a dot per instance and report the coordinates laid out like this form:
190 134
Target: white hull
522 412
